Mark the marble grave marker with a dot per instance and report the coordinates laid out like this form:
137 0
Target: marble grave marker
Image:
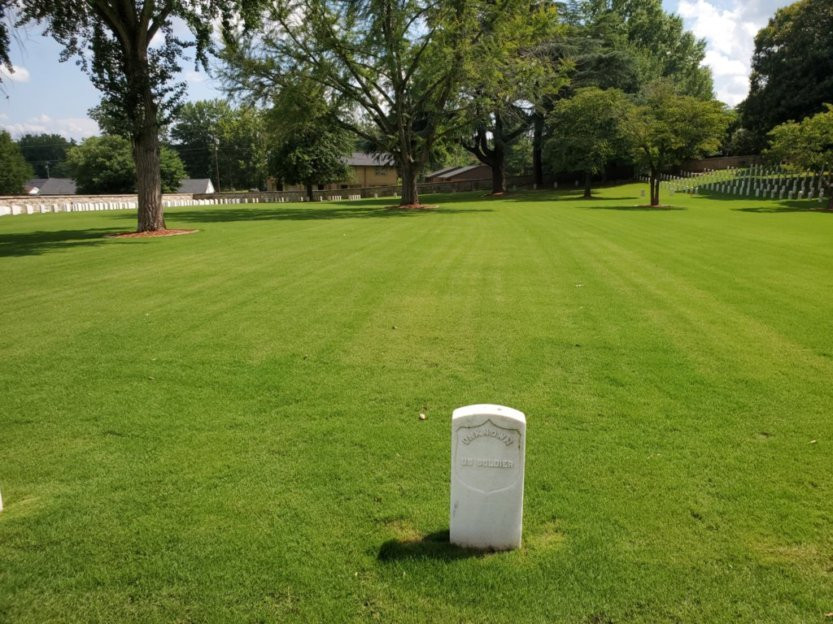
488 445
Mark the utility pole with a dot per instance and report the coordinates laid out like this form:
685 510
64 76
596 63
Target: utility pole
216 163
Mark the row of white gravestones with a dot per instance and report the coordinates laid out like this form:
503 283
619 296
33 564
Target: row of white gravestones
754 181
40 208
341 197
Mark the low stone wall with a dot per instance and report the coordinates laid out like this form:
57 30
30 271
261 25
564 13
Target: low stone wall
719 163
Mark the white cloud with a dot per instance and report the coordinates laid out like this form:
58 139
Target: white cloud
20 74
729 28
195 76
722 65
69 127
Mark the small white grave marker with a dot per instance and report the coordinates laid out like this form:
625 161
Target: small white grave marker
488 445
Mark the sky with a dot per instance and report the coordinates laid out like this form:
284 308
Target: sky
46 96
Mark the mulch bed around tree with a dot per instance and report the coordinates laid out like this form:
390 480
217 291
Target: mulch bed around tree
153 234
408 207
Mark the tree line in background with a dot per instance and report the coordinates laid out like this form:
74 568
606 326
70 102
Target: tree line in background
529 86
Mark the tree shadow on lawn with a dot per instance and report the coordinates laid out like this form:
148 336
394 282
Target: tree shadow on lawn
787 206
638 208
377 210
36 243
432 546
771 206
525 196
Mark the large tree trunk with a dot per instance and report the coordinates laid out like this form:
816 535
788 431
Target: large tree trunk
654 188
410 195
537 149
498 165
148 177
588 181
146 151
309 191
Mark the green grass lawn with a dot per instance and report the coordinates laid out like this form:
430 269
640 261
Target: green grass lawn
223 427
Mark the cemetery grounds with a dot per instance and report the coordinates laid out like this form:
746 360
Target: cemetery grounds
224 426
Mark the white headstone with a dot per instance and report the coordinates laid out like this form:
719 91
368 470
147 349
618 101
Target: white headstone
488 445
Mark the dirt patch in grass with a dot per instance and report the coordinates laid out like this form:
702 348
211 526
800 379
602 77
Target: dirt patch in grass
153 234
548 535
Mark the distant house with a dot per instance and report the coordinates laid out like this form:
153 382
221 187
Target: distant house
50 186
460 174
371 170
366 171
197 186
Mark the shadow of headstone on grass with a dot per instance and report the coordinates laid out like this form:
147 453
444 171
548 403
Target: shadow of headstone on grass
432 546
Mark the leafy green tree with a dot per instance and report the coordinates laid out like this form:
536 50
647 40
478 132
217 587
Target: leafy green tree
391 68
508 78
657 40
214 138
792 67
105 165
242 149
14 170
587 132
589 56
311 155
665 129
621 44
807 145
519 156
47 153
5 61
194 134
112 40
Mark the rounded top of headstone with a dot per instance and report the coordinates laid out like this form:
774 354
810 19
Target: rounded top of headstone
488 409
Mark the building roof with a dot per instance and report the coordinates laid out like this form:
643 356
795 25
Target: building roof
457 171
196 185
360 159
439 172
51 186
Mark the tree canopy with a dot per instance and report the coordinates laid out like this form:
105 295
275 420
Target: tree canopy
213 129
807 145
47 153
311 155
391 70
5 61
587 131
508 82
665 129
14 170
105 165
657 42
792 67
